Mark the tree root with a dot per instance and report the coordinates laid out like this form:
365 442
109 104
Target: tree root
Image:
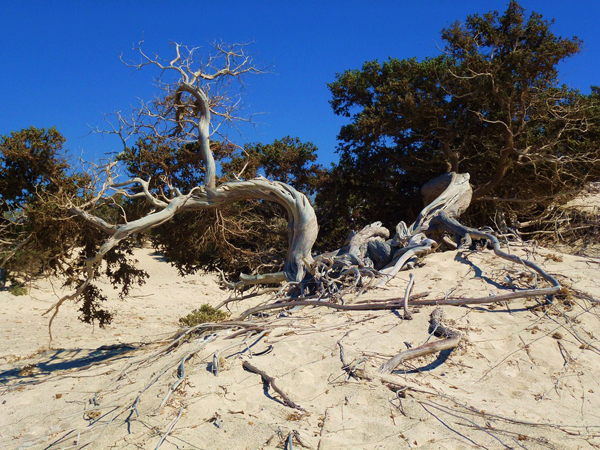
181 372
249 332
169 429
375 306
437 328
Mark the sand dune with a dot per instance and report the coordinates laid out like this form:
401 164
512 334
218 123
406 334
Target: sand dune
524 376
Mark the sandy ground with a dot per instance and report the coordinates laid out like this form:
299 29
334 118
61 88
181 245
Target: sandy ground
525 376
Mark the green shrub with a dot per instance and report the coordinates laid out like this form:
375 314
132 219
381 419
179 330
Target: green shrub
204 314
17 289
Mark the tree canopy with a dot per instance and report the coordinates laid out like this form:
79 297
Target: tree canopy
491 104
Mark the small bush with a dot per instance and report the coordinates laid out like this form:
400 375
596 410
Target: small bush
17 289
204 314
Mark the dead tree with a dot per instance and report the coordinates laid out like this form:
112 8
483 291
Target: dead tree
200 93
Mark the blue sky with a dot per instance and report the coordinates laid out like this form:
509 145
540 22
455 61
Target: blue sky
60 60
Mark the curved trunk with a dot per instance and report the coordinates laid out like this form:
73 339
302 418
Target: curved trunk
302 220
203 109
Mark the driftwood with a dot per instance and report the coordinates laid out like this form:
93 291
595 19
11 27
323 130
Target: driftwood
450 340
358 244
367 248
270 381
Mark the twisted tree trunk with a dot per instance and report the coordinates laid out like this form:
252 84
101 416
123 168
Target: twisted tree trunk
449 193
369 252
302 220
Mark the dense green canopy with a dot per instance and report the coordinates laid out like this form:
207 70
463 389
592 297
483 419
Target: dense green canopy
491 104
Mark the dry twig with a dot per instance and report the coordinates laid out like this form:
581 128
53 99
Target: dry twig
270 381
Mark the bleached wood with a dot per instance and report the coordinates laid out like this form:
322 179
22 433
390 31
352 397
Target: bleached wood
359 242
451 339
454 200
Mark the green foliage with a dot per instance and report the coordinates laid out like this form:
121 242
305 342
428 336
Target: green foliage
31 160
157 160
39 236
33 179
287 160
205 314
491 105
17 289
90 307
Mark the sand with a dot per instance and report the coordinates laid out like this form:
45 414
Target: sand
524 376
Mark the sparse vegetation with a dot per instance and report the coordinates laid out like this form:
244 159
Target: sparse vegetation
204 314
17 290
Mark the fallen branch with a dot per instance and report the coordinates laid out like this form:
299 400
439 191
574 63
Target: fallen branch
452 338
458 301
169 429
251 280
270 381
376 306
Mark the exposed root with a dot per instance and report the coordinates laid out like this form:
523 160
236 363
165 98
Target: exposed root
450 340
253 280
375 306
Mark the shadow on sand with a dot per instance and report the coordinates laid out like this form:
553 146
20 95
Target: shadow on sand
33 370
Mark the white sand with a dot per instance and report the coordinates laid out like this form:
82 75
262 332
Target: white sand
521 378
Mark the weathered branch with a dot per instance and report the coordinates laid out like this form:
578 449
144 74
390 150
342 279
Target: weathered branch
437 328
203 108
270 381
251 280
454 226
153 121
454 200
407 315
374 306
417 246
358 243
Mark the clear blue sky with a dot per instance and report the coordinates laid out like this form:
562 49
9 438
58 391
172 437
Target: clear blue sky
60 60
